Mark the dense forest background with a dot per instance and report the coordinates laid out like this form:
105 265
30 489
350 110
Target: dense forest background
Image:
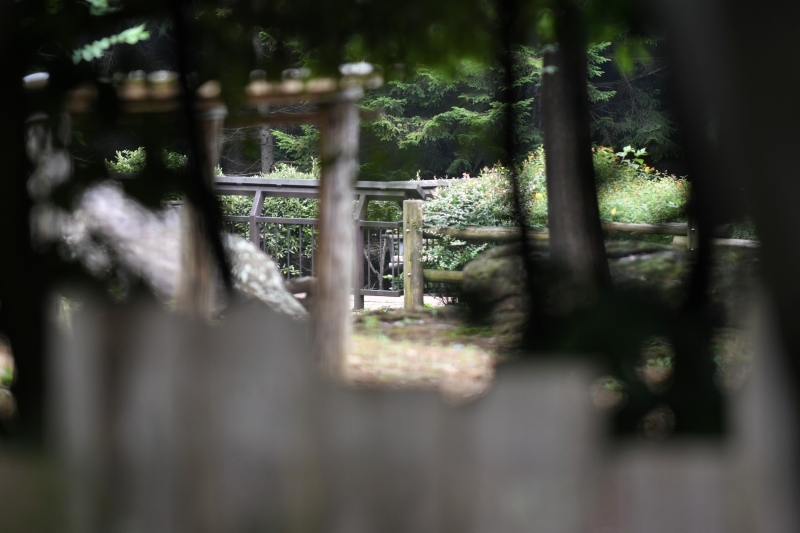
435 122
430 123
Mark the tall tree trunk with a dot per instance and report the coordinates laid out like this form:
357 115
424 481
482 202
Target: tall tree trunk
576 237
22 287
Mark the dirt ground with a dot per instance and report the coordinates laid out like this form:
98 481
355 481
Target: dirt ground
436 348
433 348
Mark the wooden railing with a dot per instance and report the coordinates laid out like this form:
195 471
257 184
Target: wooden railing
684 234
368 271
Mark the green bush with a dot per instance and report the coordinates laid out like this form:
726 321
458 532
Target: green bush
627 192
745 230
132 161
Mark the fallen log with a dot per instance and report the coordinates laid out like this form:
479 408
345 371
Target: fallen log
443 276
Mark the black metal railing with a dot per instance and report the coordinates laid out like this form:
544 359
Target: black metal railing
292 244
382 258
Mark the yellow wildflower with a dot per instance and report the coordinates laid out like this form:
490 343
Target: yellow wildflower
614 211
539 196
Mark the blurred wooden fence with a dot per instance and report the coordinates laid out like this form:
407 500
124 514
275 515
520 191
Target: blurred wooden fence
161 425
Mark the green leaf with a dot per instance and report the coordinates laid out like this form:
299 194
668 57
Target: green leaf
623 58
96 49
79 137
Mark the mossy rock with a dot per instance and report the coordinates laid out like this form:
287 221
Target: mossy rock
493 280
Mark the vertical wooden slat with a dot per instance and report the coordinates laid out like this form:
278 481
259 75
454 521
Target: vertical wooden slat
534 450
412 254
198 269
339 156
258 204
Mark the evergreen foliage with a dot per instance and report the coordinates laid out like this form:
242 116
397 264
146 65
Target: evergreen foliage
445 123
635 112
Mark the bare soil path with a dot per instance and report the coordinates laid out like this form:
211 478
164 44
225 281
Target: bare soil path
433 348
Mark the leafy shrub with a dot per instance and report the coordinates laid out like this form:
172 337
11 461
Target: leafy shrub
745 230
133 161
637 194
626 193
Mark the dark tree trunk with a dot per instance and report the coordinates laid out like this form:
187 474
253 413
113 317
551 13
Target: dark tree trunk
22 291
576 237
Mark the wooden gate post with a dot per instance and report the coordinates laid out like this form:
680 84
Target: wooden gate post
412 255
339 159
199 269
692 235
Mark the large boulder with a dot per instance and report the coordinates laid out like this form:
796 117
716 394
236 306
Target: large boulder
109 230
493 281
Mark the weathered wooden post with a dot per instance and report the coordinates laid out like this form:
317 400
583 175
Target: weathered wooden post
199 270
692 235
339 158
412 255
255 211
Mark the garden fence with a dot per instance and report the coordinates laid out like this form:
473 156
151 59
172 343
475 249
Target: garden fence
166 426
384 264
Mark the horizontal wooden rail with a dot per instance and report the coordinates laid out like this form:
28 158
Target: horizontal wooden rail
482 233
666 228
443 276
510 234
680 240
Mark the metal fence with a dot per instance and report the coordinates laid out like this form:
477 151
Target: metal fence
292 244
382 258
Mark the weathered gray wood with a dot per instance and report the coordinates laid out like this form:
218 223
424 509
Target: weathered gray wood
483 233
511 234
384 190
183 435
685 486
380 452
195 295
255 211
334 269
666 228
168 425
681 240
443 276
533 450
692 235
413 281
384 293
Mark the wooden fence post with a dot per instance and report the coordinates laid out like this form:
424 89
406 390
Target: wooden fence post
199 269
691 234
339 157
412 255
255 211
